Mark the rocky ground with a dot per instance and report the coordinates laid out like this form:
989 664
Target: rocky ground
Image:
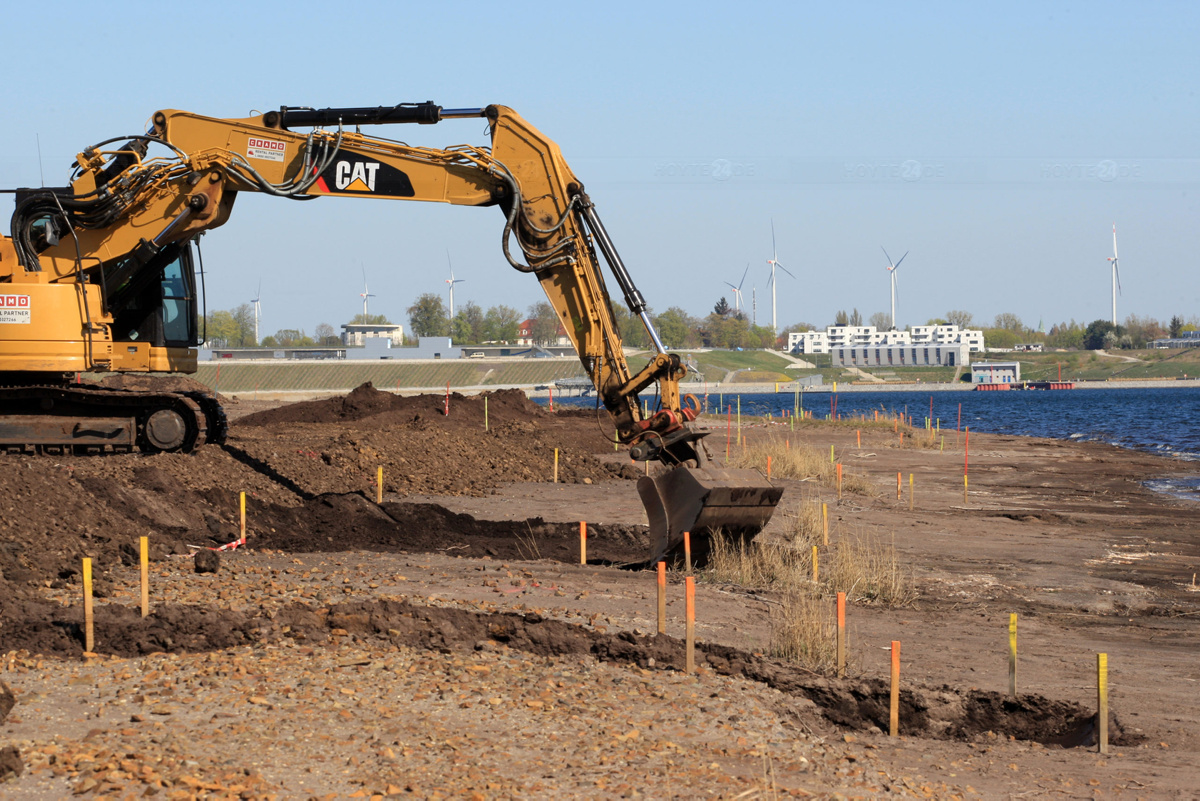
446 643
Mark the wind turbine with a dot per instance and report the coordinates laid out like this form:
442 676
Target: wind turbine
1116 276
737 290
892 271
452 281
365 295
257 298
774 262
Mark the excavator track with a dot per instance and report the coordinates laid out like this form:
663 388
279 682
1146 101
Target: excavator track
83 419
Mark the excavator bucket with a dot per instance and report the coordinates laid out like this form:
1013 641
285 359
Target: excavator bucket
700 501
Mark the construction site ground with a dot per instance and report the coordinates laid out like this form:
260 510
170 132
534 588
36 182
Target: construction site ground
448 644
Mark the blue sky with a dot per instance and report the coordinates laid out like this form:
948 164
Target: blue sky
998 144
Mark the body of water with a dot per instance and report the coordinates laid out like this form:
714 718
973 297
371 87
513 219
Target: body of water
1164 421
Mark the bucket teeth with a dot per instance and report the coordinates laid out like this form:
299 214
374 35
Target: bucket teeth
700 501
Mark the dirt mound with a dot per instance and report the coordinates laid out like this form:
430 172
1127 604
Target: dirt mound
365 401
61 509
40 627
352 522
941 713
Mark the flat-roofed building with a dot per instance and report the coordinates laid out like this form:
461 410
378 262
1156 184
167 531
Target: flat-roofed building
995 373
901 356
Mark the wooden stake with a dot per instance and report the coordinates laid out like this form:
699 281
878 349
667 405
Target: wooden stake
1102 705
1012 654
144 560
841 635
687 551
556 465
839 480
910 492
768 467
691 624
582 542
89 634
242 514
662 597
894 713
825 522
831 459
858 433
897 485
816 572
485 413
965 494
379 485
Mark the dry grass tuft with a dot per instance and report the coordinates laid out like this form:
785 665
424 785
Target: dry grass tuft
868 570
803 625
804 526
803 631
732 560
799 461
919 439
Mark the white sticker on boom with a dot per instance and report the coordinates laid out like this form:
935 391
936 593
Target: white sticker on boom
14 309
266 149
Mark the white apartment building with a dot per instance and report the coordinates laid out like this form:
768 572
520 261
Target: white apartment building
836 337
948 335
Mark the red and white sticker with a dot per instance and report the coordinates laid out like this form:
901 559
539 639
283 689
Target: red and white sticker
14 309
265 149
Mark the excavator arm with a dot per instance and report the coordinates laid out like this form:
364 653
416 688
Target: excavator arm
126 211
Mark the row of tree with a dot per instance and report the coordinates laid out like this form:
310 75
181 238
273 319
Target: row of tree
724 327
235 329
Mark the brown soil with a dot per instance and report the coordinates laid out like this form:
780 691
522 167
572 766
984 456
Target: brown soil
498 632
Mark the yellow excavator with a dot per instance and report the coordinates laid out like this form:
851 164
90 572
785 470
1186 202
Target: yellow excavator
98 277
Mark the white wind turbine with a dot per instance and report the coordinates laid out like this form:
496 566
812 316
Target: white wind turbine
1116 276
365 295
737 290
774 262
892 272
257 298
452 281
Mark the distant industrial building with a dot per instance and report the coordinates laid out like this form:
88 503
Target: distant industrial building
988 373
1186 339
355 335
839 337
242 354
426 348
902 356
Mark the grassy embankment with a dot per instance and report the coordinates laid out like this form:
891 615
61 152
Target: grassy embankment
727 367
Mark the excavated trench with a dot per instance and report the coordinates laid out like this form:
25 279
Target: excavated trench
857 704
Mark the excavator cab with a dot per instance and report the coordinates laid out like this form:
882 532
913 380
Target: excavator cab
158 302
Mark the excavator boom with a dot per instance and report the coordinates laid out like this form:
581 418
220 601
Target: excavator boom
105 264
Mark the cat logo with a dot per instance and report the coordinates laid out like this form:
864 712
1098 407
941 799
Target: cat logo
356 176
